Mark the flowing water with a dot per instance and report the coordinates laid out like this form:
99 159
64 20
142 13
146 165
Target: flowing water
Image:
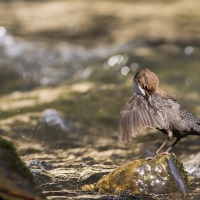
60 105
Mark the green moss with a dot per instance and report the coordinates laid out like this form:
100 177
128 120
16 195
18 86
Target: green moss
148 177
183 173
9 156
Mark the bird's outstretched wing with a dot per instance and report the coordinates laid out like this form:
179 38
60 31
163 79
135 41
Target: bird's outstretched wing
137 115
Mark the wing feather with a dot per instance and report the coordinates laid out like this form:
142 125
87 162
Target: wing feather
137 115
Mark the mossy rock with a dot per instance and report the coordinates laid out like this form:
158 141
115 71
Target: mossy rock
16 181
163 175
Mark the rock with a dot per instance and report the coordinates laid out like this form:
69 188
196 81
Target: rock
44 165
16 181
163 175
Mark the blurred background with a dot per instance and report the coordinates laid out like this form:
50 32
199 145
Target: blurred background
66 69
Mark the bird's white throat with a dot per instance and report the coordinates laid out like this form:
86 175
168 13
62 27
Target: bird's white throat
137 89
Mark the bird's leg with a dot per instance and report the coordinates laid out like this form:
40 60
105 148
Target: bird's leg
169 137
175 142
157 154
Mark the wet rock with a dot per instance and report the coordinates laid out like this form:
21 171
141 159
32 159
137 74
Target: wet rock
164 175
43 165
16 181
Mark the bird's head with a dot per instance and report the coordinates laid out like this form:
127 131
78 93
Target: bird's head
145 83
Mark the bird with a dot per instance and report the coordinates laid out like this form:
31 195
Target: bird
152 107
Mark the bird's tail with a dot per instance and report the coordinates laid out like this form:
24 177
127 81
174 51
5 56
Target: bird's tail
198 122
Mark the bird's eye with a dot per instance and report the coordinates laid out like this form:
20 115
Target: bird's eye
145 87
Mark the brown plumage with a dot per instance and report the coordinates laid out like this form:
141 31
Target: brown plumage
154 108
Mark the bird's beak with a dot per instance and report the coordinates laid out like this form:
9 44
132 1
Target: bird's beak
139 90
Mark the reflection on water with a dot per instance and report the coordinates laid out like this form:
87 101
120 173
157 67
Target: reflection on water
50 64
46 64
188 50
27 64
2 31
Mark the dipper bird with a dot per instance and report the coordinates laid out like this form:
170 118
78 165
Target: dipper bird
152 107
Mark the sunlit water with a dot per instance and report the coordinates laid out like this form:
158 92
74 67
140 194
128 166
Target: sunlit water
25 65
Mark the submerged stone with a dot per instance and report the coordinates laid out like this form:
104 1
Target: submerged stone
163 175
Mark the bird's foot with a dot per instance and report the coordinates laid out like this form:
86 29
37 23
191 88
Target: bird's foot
157 155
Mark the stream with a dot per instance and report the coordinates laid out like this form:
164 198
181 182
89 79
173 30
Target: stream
60 106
